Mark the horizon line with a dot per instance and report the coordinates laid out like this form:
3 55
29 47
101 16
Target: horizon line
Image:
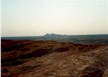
53 34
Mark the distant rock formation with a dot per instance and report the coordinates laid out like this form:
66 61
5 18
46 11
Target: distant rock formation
53 35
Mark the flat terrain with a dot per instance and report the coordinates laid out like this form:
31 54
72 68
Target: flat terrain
25 58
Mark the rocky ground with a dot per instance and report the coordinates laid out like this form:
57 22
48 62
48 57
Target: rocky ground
25 58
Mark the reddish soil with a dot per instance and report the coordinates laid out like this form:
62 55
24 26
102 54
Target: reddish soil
25 58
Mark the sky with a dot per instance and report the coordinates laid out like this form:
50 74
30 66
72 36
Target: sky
38 17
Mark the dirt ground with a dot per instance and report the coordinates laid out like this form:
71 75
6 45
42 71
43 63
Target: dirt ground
25 58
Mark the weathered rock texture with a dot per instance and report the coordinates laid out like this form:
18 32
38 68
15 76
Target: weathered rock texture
53 59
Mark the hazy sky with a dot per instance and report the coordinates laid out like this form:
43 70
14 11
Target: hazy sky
38 17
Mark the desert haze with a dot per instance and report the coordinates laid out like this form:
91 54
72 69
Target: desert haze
77 47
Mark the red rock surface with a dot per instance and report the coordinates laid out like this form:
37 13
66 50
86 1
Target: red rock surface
26 58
